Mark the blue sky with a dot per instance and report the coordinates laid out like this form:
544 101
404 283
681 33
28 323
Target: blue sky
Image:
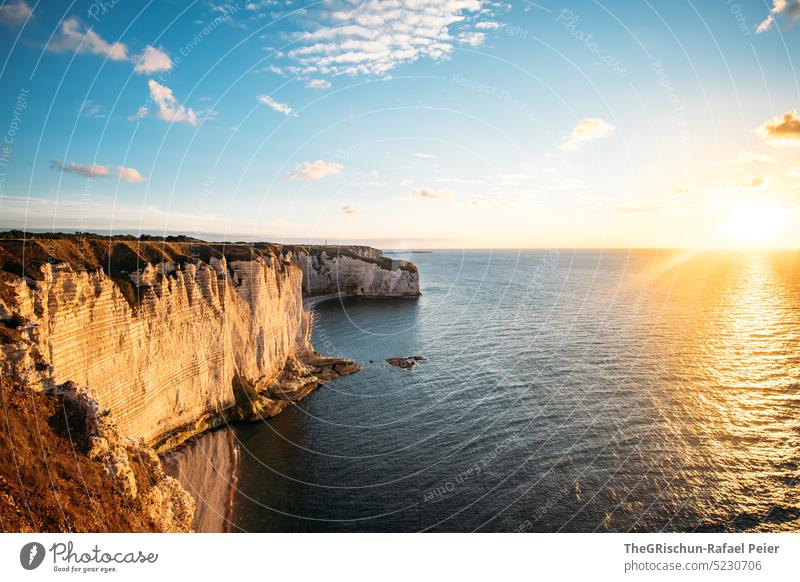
451 123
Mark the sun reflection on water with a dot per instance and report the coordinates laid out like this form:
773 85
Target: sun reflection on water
740 415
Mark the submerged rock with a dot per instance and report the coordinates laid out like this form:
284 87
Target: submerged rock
406 362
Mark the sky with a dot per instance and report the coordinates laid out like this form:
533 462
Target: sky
405 124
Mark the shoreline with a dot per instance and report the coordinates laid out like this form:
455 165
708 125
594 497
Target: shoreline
256 366
196 454
310 302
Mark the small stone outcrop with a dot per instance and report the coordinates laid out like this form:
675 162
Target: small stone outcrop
406 362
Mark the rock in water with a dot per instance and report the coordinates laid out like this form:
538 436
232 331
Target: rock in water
406 362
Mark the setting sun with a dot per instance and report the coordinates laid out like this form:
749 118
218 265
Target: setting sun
755 223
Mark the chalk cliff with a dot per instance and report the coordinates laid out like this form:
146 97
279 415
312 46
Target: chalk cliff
171 338
354 270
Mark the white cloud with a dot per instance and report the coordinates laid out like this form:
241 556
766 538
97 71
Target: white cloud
374 37
254 6
472 39
129 174
277 105
168 107
793 171
92 109
152 60
489 25
74 36
350 209
765 24
275 69
14 13
587 130
778 6
429 193
141 113
318 84
314 170
98 171
423 155
91 171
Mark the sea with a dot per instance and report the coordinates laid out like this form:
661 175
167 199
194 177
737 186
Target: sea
562 391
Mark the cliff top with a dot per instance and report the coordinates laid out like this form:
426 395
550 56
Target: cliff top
23 253
117 256
360 252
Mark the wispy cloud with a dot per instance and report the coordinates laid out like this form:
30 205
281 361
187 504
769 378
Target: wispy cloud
90 171
75 36
314 170
318 84
276 105
779 7
587 130
260 4
745 157
275 69
168 107
141 113
92 109
98 171
14 13
375 37
757 182
430 193
472 39
350 209
781 130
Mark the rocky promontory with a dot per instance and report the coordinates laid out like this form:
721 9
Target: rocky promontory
159 339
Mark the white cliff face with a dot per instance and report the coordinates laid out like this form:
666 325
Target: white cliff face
201 333
330 273
200 344
167 367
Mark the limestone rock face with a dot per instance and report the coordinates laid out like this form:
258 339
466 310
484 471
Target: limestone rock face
169 362
359 271
155 342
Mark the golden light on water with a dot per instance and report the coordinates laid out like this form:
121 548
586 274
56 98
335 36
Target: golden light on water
737 410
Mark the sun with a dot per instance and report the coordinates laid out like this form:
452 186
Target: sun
756 223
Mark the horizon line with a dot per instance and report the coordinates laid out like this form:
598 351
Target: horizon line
197 236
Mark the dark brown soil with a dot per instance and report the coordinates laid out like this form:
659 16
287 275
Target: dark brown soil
47 484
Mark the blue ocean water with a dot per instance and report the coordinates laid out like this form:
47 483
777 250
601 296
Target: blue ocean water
564 391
